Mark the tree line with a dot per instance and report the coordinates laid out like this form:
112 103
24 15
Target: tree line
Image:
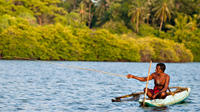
160 20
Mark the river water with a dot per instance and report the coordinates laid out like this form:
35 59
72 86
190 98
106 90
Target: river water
34 86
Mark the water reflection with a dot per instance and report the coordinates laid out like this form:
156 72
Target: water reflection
163 109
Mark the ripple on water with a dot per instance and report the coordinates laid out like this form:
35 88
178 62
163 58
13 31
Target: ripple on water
41 86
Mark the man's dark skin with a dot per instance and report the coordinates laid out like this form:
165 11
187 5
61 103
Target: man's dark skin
161 81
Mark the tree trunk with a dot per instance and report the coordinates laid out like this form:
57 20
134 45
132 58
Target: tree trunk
148 16
161 23
39 19
74 6
149 2
81 17
137 23
81 13
89 18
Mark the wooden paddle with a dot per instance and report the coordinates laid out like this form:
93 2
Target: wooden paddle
147 84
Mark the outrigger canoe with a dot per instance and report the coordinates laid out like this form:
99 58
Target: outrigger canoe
178 96
174 97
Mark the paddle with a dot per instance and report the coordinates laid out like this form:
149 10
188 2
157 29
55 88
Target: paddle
147 84
134 95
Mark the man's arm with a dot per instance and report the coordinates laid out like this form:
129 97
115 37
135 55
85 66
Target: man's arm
143 79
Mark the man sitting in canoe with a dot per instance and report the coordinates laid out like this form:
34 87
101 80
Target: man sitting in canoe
161 81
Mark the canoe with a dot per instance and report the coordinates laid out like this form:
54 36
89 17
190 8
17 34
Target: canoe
175 97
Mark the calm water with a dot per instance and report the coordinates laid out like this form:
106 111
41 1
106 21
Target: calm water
33 86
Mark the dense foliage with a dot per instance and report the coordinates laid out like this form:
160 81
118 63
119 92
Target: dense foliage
56 42
100 30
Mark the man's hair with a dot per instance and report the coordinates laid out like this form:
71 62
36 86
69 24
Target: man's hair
162 66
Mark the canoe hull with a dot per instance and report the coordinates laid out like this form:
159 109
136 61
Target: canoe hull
169 100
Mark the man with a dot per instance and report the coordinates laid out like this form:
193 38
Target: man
161 81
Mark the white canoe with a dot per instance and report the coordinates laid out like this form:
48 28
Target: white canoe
178 96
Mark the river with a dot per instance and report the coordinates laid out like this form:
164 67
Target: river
46 86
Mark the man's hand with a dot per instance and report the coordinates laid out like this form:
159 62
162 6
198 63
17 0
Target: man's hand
154 96
129 76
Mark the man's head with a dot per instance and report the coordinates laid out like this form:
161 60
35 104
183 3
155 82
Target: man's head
161 66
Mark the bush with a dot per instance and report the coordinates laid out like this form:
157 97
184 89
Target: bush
184 54
162 35
7 20
17 42
163 50
56 42
116 27
194 47
146 30
193 44
101 45
146 50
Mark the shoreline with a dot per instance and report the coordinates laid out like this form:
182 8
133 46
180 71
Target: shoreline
31 59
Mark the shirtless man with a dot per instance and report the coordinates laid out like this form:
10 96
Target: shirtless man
161 81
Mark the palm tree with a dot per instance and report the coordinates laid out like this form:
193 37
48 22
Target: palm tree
102 11
184 25
82 11
137 12
89 4
163 11
102 6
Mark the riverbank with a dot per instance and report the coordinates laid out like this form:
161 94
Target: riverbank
56 42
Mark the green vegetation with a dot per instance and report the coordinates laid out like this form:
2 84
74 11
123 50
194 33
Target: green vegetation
102 30
56 42
163 50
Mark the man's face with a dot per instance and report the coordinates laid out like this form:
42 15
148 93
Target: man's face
158 70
